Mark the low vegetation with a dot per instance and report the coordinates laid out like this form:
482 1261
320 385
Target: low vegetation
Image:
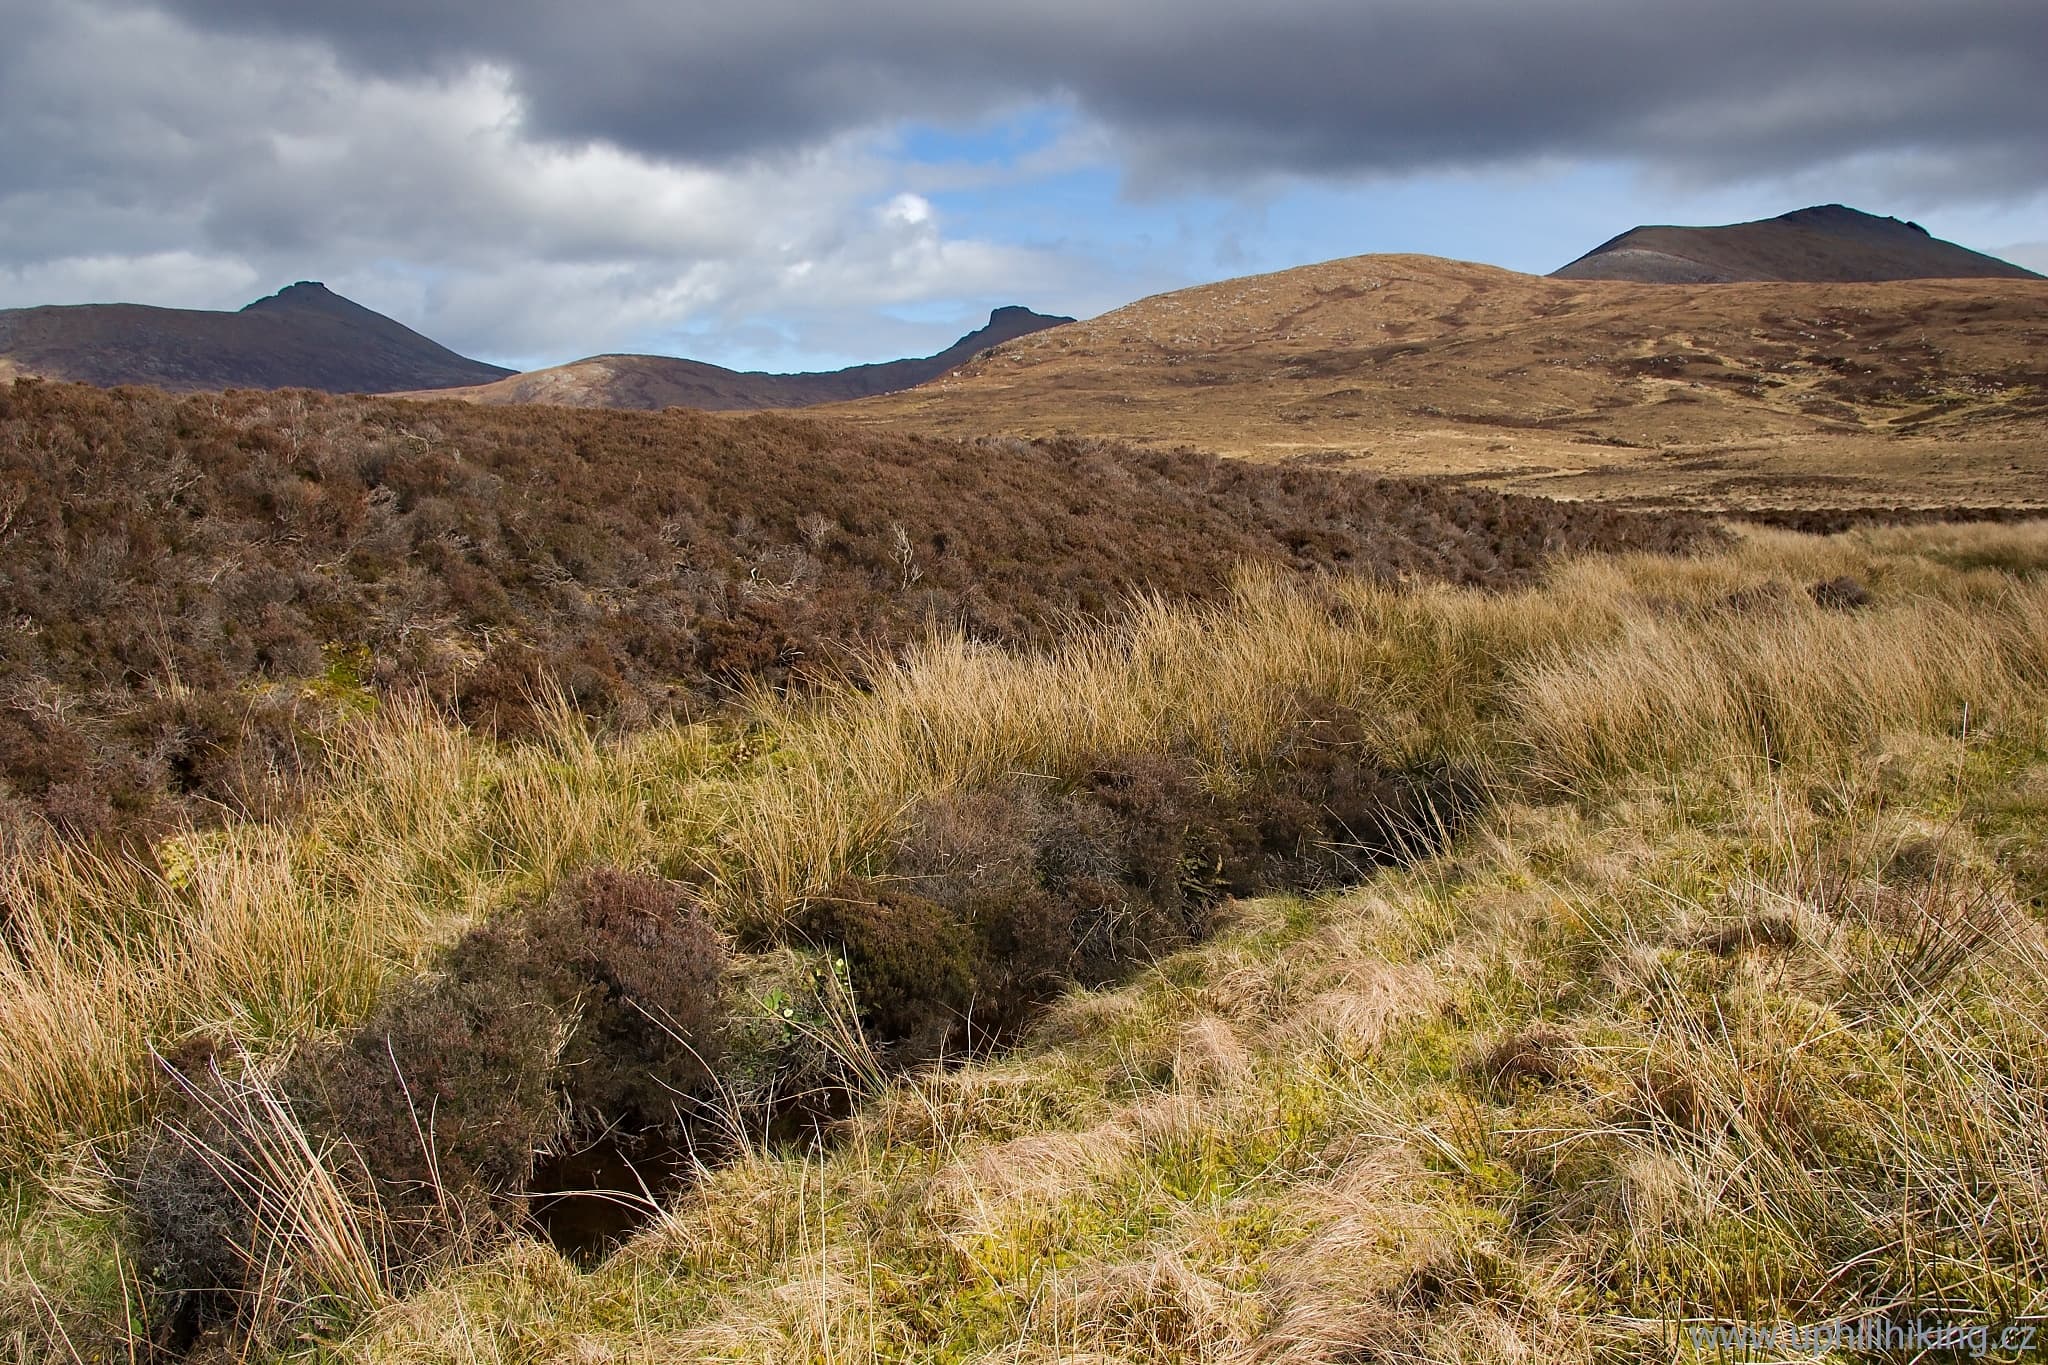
195 586
1322 971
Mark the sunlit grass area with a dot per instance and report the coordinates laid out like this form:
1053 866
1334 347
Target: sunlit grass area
1725 1007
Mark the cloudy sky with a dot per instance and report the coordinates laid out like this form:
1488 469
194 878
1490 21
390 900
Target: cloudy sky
781 184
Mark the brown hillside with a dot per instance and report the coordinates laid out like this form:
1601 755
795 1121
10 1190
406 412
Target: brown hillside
189 581
1829 243
302 337
653 382
1721 396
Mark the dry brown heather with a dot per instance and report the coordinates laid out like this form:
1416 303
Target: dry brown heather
1728 1008
1922 393
192 582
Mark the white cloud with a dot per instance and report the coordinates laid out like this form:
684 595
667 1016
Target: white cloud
172 279
209 169
2032 255
908 210
529 182
1210 91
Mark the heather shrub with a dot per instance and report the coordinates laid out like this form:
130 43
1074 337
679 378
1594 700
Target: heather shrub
602 1008
1026 955
247 758
453 1086
998 899
24 833
1326 809
753 641
52 762
1841 593
1004 896
497 694
1819 521
236 1210
973 847
643 967
1165 842
980 855
1137 849
195 1237
911 963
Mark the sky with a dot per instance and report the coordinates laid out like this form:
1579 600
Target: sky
784 185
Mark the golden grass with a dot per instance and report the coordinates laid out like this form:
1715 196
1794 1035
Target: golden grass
1780 680
1799 1131
1415 366
1268 1145
262 934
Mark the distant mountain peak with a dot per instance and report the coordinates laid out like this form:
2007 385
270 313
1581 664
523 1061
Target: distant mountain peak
303 336
1841 218
1823 243
303 294
1004 324
1820 213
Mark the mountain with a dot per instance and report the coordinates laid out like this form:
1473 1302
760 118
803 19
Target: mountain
1719 396
1826 243
653 382
305 336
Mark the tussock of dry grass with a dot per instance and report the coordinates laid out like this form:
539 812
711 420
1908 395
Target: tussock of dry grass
1731 1009
268 933
264 934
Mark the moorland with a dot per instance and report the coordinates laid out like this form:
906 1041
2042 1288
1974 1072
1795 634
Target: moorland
1150 846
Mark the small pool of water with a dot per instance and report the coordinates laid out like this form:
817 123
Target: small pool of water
588 1200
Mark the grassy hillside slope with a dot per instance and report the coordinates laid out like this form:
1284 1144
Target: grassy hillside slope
1726 1010
1729 396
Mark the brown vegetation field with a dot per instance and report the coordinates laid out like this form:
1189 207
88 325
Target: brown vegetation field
1717 397
1434 972
530 884
192 583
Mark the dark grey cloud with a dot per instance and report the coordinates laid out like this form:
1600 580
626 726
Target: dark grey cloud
1207 88
529 181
